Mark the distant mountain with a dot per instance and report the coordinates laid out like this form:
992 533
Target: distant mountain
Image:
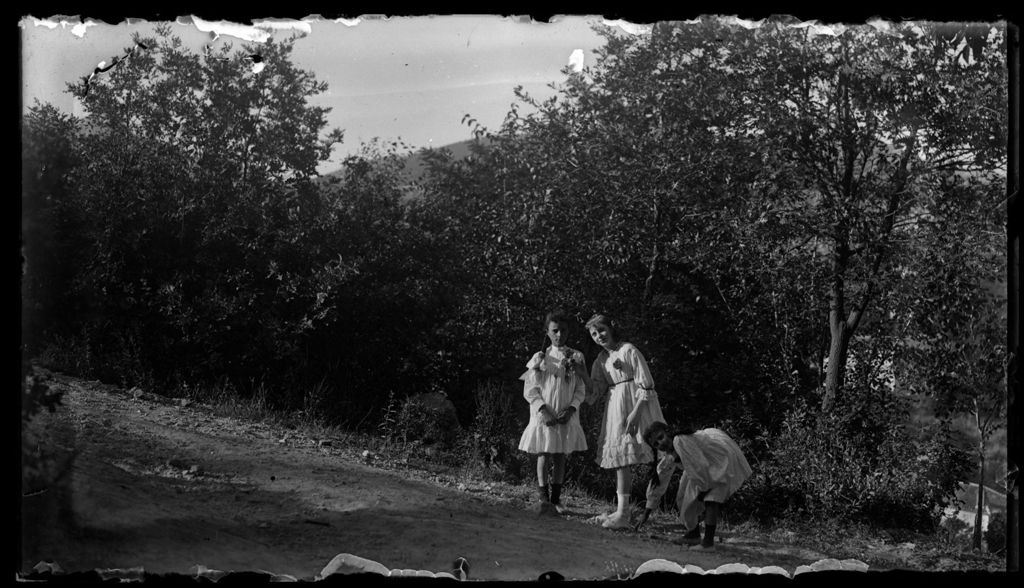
415 163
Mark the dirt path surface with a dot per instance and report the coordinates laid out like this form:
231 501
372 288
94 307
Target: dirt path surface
168 487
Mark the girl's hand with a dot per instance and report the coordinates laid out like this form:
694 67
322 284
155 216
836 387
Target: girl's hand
632 426
547 416
565 414
643 519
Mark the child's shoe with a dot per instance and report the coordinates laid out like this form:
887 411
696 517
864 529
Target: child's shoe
616 521
546 509
689 538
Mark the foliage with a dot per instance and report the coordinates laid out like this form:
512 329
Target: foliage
50 226
429 419
497 427
859 464
47 452
795 228
995 534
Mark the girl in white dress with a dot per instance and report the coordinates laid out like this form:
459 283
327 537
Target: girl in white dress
713 468
555 390
620 375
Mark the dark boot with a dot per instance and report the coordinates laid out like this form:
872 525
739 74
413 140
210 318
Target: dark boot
691 537
709 536
556 494
545 507
542 492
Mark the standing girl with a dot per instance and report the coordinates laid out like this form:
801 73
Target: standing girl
713 469
554 390
620 372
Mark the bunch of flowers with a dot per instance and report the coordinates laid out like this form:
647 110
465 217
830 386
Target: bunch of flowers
572 360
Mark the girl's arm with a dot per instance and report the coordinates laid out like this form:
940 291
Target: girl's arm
659 482
579 392
641 373
658 485
531 392
644 387
596 385
531 384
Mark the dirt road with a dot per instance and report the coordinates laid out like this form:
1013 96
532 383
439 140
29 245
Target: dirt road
168 487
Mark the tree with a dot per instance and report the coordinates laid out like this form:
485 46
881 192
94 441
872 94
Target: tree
49 152
200 209
878 126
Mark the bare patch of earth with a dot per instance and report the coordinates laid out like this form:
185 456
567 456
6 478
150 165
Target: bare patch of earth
166 487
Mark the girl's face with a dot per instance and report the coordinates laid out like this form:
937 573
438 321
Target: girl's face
602 335
661 440
557 334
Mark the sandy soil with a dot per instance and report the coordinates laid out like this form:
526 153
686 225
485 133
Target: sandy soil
167 488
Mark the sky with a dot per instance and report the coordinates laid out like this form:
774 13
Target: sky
409 78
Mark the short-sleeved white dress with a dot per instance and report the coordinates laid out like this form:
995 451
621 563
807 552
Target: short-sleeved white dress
547 381
624 374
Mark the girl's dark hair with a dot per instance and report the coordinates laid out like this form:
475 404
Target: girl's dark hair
555 316
653 428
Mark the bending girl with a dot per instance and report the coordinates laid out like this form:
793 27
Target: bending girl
713 469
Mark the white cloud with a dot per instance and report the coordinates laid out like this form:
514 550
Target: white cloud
630 27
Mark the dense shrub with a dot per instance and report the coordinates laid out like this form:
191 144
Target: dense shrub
995 534
48 453
858 463
501 416
428 418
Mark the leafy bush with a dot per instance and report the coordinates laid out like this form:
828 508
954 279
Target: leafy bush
995 534
47 454
494 437
858 464
428 418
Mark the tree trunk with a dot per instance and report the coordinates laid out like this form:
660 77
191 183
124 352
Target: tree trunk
981 478
839 329
981 504
656 255
835 371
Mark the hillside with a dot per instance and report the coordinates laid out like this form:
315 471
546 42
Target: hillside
414 161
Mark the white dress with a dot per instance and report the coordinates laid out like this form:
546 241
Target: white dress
624 374
547 381
711 461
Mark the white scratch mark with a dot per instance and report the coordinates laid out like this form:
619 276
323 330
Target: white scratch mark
231 29
630 27
45 23
814 29
284 25
882 26
576 60
79 29
747 24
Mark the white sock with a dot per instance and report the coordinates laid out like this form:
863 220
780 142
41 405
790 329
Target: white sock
623 504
